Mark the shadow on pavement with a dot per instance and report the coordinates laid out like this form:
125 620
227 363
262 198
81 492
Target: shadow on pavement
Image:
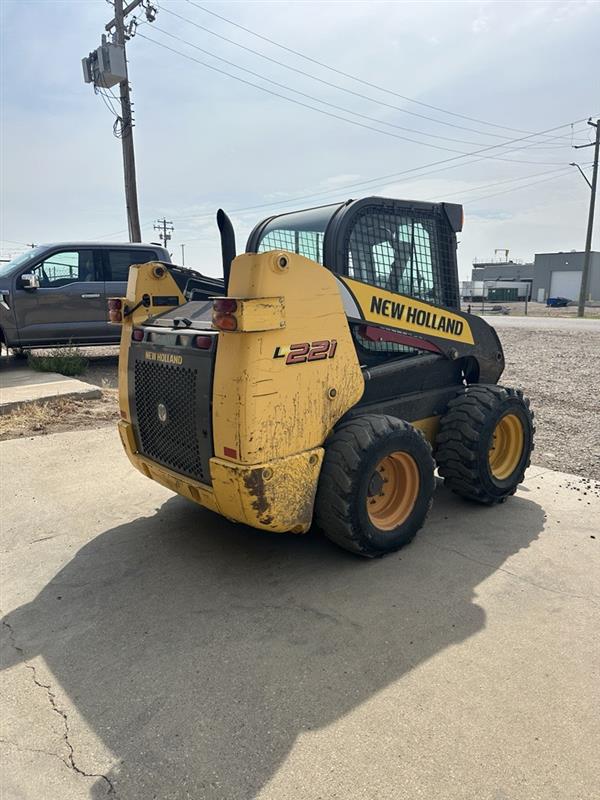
198 650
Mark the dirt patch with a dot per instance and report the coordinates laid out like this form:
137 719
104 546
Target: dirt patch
60 414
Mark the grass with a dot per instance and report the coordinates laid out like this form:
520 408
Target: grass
64 360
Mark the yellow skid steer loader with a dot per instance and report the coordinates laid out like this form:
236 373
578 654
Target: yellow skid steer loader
323 378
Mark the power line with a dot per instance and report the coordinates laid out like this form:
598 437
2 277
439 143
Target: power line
293 201
374 184
560 170
516 188
12 241
316 99
334 86
325 102
355 122
333 105
354 77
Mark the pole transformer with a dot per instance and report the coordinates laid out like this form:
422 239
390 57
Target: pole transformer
106 67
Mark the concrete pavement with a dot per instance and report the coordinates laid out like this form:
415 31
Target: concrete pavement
20 385
153 650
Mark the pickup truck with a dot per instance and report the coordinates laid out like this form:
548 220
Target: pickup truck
56 294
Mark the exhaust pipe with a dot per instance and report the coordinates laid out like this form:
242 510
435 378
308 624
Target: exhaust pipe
227 244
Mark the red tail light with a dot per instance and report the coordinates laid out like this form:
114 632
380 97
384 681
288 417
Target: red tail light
224 305
203 342
224 322
137 335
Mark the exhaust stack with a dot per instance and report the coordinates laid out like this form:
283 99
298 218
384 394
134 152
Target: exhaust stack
227 244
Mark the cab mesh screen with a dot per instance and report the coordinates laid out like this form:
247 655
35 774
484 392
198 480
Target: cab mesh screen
405 251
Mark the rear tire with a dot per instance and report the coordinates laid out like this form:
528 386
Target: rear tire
376 485
484 443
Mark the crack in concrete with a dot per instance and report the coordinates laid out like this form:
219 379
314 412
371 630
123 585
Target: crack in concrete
514 574
69 762
22 748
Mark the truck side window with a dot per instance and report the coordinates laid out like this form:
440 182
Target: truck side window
119 262
69 266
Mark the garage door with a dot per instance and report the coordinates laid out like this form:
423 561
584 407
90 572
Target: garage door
565 284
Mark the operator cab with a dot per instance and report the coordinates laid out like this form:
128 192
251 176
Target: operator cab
406 247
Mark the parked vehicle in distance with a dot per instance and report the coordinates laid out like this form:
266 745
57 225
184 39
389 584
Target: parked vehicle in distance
557 302
56 294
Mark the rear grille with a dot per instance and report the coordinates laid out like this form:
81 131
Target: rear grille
170 391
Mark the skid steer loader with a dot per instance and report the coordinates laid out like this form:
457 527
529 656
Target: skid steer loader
323 378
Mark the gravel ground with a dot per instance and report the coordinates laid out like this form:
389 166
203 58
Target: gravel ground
558 370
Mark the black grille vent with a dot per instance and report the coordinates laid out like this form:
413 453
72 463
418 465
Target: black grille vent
170 392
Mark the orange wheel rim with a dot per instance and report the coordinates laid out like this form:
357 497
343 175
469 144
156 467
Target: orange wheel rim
506 449
393 490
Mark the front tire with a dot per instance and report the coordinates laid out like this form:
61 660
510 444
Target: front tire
484 443
376 485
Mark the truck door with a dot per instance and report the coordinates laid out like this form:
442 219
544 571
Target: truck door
116 271
69 302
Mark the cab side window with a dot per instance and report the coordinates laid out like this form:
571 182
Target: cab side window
306 243
69 266
398 253
119 262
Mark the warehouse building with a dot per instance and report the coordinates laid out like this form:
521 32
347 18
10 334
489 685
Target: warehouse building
550 275
559 275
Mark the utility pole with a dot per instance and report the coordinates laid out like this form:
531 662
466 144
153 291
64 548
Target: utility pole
166 226
131 200
107 66
182 255
585 275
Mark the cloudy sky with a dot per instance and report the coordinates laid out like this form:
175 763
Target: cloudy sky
399 88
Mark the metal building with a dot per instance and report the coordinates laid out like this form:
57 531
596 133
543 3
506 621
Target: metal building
550 275
493 274
559 275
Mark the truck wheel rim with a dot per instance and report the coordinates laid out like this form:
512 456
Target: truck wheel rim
393 491
507 446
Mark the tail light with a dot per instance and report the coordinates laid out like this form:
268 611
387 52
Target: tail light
224 309
224 322
137 335
203 342
115 310
224 305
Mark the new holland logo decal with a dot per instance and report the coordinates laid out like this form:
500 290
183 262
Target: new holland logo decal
406 313
165 358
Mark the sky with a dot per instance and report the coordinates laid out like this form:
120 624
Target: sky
423 82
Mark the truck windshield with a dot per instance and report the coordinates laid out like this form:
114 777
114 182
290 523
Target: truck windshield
28 257
301 232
